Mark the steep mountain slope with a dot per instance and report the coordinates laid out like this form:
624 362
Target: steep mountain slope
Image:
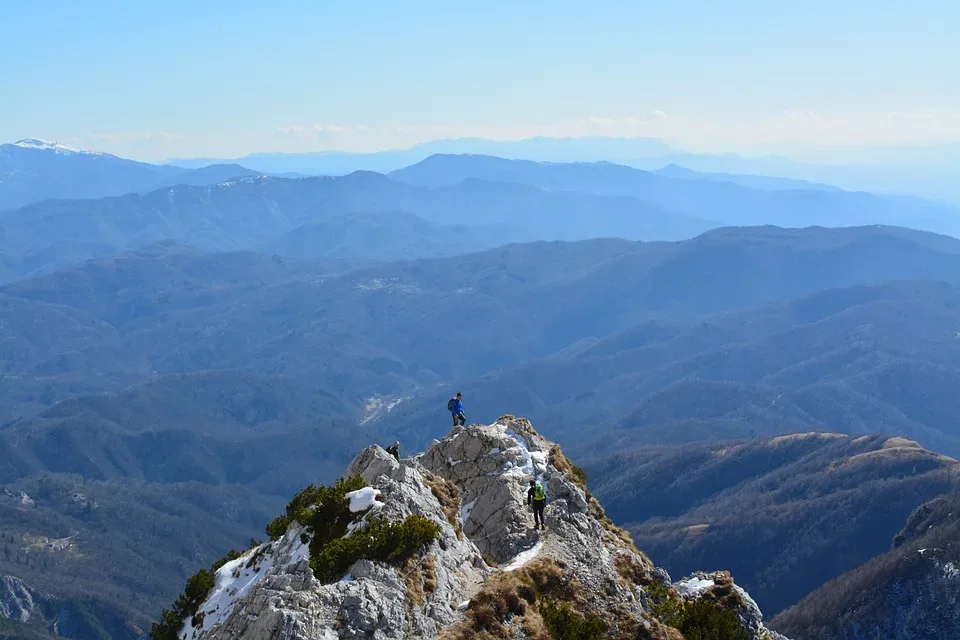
98 559
245 213
911 591
730 203
440 546
785 514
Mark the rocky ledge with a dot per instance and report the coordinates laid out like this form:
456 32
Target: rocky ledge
487 574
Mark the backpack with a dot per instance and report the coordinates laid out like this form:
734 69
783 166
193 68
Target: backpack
538 492
450 404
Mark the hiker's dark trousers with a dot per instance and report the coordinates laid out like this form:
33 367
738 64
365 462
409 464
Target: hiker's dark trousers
459 418
538 507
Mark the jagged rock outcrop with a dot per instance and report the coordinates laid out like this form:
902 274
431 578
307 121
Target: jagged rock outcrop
488 571
17 600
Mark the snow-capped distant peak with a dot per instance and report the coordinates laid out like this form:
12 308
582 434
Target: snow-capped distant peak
56 147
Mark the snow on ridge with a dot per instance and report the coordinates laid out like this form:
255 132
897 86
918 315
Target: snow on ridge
57 147
529 463
233 581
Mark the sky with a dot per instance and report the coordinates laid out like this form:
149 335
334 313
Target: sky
154 80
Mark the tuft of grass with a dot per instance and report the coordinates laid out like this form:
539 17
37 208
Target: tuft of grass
562 464
448 496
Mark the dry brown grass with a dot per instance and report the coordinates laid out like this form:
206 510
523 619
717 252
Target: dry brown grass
508 606
429 574
448 496
521 424
507 602
633 572
412 573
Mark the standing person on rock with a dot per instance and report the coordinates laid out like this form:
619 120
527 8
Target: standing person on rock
394 450
455 407
538 498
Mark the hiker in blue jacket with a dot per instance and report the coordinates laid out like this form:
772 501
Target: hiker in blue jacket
455 407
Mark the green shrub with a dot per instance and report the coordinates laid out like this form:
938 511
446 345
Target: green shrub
703 620
325 510
666 604
391 542
564 624
199 586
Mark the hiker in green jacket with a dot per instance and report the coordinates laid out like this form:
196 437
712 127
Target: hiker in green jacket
537 496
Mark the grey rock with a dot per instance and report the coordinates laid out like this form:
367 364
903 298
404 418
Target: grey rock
277 596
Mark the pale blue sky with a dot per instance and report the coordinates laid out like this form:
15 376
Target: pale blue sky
154 79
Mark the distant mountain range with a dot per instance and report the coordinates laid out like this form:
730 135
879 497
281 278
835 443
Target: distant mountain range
712 199
445 205
930 172
591 149
34 170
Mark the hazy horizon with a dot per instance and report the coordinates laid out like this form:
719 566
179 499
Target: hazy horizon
156 81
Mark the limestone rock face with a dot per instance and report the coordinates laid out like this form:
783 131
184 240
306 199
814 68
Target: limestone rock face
473 483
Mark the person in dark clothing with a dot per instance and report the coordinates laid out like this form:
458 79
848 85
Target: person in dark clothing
455 406
538 498
394 450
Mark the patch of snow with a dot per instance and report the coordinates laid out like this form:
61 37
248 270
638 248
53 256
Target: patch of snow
453 462
524 557
363 499
465 510
233 581
693 587
527 463
493 451
463 605
300 549
347 578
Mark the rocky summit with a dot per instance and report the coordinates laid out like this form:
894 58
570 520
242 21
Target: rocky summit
486 573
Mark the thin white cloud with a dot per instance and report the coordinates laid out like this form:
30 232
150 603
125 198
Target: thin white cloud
787 127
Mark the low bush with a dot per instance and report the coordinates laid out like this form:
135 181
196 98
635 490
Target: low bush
710 618
563 623
704 620
380 539
324 510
